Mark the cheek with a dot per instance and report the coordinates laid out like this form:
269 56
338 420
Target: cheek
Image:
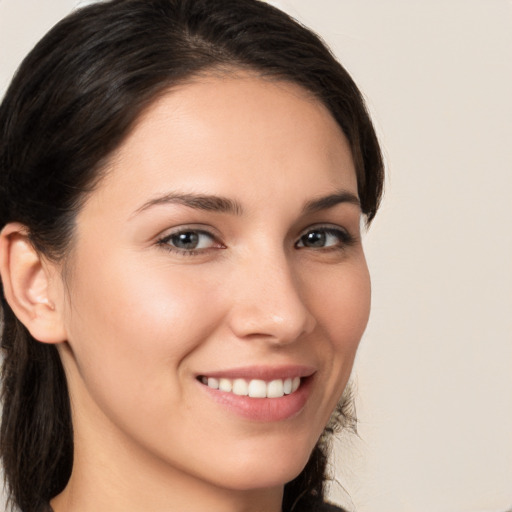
131 324
342 312
132 331
344 306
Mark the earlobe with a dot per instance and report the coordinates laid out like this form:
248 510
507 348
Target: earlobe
27 282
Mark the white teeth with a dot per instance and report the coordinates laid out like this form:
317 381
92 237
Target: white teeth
275 389
212 382
255 388
225 385
240 387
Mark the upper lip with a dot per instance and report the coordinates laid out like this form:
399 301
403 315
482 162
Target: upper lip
266 373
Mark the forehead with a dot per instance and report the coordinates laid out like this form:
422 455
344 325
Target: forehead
228 132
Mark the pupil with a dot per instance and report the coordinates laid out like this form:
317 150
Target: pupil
315 239
188 240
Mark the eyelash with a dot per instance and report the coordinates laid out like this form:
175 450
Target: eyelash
345 239
164 242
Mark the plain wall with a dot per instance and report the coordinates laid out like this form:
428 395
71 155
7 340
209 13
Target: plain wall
433 374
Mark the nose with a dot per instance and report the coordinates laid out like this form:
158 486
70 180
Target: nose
269 301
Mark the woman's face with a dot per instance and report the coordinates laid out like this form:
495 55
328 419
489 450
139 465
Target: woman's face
221 249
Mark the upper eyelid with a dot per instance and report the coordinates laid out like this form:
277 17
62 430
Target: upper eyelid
199 231
198 228
325 226
347 237
166 242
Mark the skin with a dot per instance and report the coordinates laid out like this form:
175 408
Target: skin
142 320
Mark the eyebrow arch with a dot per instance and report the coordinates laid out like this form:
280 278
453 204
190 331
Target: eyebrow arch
326 202
196 201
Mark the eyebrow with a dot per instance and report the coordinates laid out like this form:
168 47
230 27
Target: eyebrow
326 202
197 201
221 204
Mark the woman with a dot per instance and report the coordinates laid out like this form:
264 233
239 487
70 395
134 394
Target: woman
184 286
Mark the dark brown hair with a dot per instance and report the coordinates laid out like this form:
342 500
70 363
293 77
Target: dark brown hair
71 103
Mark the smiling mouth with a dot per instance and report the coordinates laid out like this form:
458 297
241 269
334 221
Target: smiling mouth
254 388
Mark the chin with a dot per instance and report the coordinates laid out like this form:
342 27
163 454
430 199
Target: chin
268 470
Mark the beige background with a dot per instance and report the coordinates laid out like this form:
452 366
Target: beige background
434 370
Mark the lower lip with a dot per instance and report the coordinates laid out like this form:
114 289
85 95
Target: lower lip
263 409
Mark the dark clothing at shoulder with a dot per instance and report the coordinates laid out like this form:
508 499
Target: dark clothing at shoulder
45 508
327 507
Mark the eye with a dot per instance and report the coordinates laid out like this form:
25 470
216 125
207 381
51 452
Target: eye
324 238
189 241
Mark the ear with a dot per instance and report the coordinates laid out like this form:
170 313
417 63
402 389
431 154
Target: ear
31 285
